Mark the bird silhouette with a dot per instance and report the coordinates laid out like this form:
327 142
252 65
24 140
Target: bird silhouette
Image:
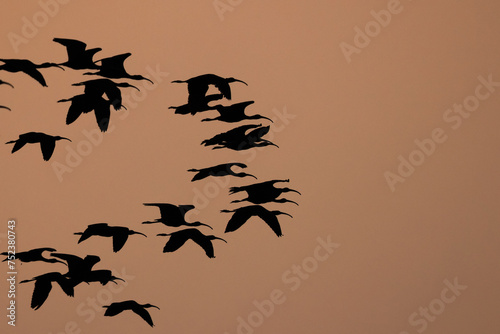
28 67
47 142
33 255
198 105
43 286
179 238
238 140
219 170
5 83
233 113
173 215
230 136
102 276
118 233
85 103
242 215
79 57
263 192
77 267
198 86
98 87
139 309
113 68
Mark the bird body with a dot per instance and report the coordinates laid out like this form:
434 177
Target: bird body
113 68
179 238
139 309
28 67
79 57
233 113
33 255
173 215
47 142
198 86
242 215
97 87
230 136
118 233
43 286
219 170
263 192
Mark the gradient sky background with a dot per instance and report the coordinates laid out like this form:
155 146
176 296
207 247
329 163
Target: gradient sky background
346 125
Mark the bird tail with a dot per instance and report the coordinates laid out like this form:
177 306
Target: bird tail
233 190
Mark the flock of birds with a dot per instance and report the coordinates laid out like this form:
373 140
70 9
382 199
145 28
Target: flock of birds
92 99
244 137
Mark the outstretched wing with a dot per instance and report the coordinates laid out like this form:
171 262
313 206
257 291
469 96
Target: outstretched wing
239 218
102 115
40 293
118 241
47 147
175 242
144 314
113 310
18 145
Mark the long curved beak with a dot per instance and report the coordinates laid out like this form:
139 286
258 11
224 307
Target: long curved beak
286 214
66 138
206 226
246 174
4 107
117 278
141 234
241 81
6 83
132 86
155 306
162 234
295 191
220 239
149 80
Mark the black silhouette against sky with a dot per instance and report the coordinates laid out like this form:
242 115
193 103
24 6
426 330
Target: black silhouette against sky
198 86
243 214
219 170
33 255
27 67
233 113
79 57
113 68
43 286
179 238
263 192
47 142
139 309
98 87
173 215
118 233
195 106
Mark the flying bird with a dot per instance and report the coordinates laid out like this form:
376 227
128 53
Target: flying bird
139 309
77 267
97 87
5 83
27 67
33 255
43 286
113 68
85 103
173 215
198 86
79 57
242 215
179 238
47 142
118 233
102 276
219 170
230 136
263 192
198 105
234 113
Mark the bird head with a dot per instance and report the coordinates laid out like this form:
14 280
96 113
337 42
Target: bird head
135 232
126 85
59 138
201 224
235 80
290 190
213 237
277 212
149 305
